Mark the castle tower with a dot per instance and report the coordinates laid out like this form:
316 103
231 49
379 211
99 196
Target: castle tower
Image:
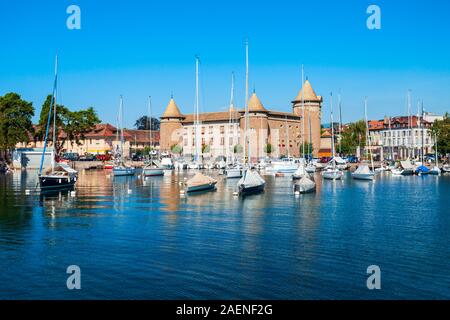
170 130
258 124
312 104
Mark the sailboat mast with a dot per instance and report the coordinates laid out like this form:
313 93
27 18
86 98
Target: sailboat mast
231 122
287 138
391 142
310 142
435 150
409 124
340 124
54 106
121 128
367 133
332 129
48 118
246 139
303 113
197 118
421 126
150 124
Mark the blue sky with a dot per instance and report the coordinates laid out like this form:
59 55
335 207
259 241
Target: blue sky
142 48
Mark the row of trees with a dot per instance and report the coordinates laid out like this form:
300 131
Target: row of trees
16 123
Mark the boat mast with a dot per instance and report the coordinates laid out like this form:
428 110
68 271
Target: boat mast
340 124
246 137
54 107
367 133
409 124
197 122
421 126
391 142
49 117
332 130
150 125
287 138
303 113
310 143
231 121
121 128
435 150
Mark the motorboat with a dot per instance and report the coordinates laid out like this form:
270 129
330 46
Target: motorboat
250 183
200 182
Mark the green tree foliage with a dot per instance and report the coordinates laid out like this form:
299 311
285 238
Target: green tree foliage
15 122
308 148
237 148
176 148
143 123
442 130
352 137
74 124
206 148
268 148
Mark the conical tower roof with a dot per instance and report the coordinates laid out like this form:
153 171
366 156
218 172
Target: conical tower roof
255 105
307 93
172 110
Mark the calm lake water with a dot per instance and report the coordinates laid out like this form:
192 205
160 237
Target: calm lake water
151 243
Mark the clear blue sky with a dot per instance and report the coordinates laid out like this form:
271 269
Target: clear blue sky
141 48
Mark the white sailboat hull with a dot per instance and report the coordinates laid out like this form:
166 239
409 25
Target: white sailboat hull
332 174
363 176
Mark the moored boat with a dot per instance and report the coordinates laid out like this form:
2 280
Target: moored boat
305 185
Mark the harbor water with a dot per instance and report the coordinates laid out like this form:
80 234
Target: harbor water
137 238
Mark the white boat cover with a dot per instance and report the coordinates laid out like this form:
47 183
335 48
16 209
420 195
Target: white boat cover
406 165
363 170
306 183
200 179
251 179
61 166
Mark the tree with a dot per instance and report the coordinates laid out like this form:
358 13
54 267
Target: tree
308 148
74 124
237 148
206 148
15 122
176 148
143 123
352 137
268 148
441 128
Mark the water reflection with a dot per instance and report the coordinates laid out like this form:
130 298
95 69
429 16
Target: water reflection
158 244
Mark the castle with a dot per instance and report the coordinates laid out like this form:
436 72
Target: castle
222 133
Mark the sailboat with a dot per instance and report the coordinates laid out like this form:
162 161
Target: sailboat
233 170
61 176
435 170
310 167
251 182
151 169
331 172
363 172
120 168
199 182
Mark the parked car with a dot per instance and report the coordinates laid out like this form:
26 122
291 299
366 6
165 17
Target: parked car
71 156
103 157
